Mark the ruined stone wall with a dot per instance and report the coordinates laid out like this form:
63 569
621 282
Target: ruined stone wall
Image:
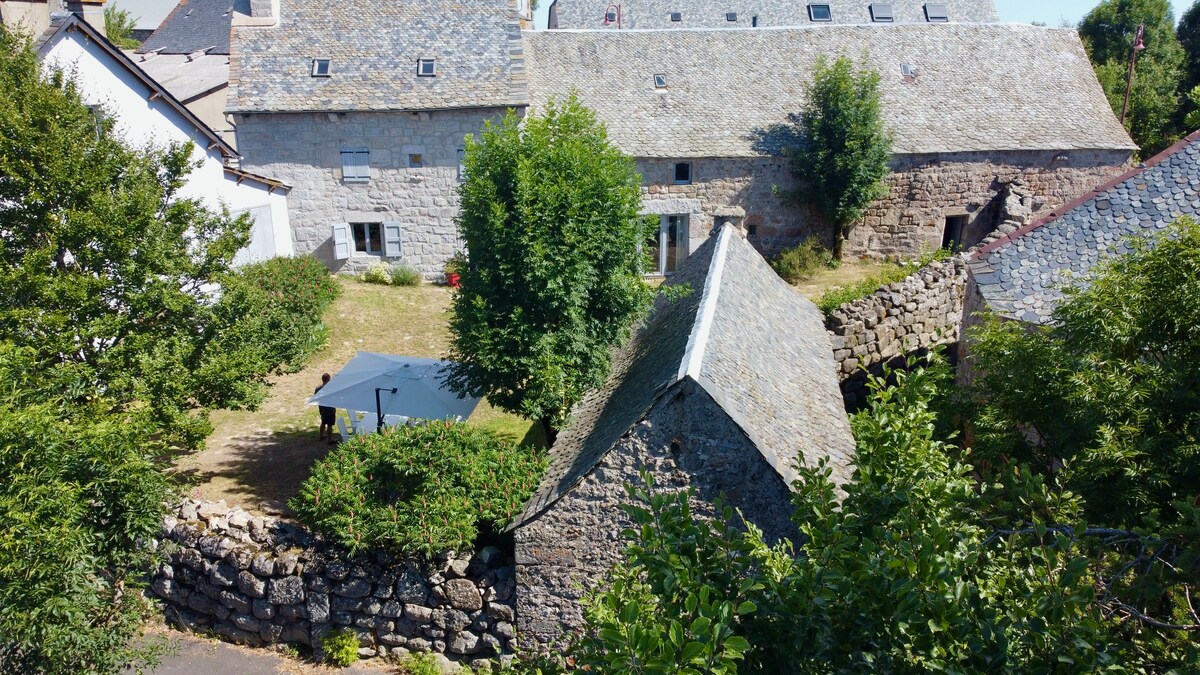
912 315
685 441
924 191
304 151
258 581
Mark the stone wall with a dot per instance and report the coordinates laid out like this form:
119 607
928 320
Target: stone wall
924 191
258 581
304 150
686 440
909 316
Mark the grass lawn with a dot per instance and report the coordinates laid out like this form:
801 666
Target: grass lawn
258 459
849 272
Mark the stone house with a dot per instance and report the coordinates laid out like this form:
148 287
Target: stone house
972 108
1021 276
363 106
722 390
602 15
146 113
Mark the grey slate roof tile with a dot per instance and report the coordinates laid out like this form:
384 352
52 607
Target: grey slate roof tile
589 14
193 25
1022 275
374 46
980 87
767 362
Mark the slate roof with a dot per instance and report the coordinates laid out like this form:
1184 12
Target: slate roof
374 46
979 88
752 342
194 25
589 14
61 24
1021 276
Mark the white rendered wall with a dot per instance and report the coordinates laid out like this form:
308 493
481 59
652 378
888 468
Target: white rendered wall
142 122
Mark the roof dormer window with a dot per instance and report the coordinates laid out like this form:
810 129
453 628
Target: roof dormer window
426 68
936 12
676 16
820 13
320 67
660 81
731 16
881 12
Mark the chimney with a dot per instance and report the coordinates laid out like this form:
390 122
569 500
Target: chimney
91 11
262 9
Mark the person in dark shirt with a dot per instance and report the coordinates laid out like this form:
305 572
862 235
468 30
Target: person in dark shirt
328 414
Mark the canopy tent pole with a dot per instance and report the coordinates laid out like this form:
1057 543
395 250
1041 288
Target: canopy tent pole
379 406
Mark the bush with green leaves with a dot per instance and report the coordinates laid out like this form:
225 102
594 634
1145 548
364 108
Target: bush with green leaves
377 273
551 226
403 275
801 261
917 567
1108 390
839 295
340 647
421 489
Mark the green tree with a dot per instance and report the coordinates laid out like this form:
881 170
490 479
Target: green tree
553 283
118 27
104 269
1188 33
1110 388
1108 32
844 153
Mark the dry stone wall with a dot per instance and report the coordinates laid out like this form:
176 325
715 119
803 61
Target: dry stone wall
258 581
912 315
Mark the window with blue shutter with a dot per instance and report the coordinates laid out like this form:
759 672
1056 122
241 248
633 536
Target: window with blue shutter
356 167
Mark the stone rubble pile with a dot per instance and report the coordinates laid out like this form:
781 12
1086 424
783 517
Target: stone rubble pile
258 581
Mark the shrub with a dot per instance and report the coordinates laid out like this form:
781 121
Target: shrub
340 647
417 489
279 305
840 295
421 664
377 273
405 276
800 262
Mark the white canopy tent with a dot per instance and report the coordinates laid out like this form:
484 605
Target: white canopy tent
387 384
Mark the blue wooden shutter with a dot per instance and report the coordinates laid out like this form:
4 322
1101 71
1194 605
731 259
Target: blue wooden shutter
341 241
391 239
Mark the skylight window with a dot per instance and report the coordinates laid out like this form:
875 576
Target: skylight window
682 175
820 13
935 12
320 67
676 16
660 81
731 16
881 12
426 68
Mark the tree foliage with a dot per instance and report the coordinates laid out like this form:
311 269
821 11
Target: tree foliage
420 489
1108 32
118 27
550 222
1188 33
1111 388
844 154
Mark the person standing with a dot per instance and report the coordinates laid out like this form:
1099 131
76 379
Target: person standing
328 414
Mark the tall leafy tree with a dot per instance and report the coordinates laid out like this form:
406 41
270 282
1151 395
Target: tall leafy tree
1108 33
118 27
844 154
104 269
1188 33
551 226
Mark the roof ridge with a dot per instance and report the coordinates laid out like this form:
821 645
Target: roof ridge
693 354
1063 210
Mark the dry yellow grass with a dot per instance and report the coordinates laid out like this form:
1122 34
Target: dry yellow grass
849 272
258 459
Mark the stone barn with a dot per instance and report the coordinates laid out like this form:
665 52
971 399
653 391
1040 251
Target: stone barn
972 109
723 390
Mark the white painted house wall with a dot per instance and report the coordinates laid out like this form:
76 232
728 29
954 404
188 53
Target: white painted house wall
143 122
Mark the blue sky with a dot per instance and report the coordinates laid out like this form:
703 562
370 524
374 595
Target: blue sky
1050 12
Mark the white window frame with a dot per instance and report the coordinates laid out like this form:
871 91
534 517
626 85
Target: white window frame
356 165
691 173
366 229
462 164
422 63
322 67
660 81
681 244
812 16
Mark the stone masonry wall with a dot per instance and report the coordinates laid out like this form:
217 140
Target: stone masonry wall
304 150
257 581
911 315
924 191
686 440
